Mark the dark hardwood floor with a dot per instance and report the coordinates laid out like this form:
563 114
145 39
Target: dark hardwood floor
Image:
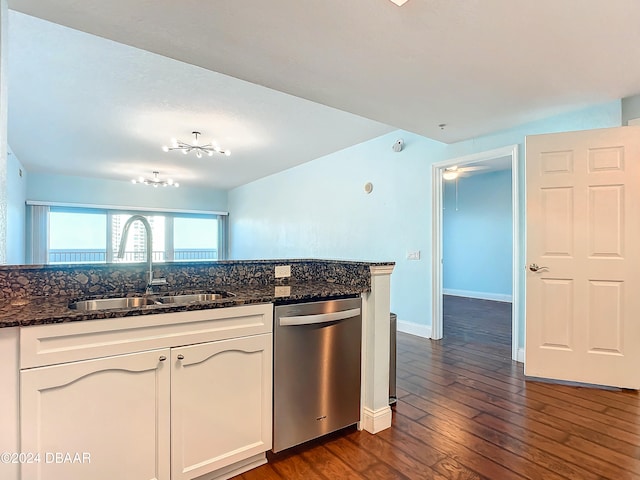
465 412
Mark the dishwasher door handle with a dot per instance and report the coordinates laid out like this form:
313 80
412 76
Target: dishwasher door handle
319 318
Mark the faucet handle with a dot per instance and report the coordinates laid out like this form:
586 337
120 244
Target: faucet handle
155 281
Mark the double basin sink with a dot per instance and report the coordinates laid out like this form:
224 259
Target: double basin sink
133 302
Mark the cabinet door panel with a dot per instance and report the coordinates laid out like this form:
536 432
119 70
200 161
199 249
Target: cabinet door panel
113 412
220 405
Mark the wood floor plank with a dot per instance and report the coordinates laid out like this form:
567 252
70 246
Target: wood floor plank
296 468
453 470
266 472
577 457
539 463
359 459
450 401
571 393
424 453
413 465
328 464
458 449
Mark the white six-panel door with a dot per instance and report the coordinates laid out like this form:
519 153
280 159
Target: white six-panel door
583 253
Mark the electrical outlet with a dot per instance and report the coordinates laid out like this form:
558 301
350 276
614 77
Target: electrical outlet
283 271
282 291
413 255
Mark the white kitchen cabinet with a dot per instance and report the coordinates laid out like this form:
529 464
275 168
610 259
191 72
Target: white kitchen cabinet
220 404
100 419
175 397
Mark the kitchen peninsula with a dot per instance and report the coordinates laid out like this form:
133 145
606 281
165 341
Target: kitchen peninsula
34 303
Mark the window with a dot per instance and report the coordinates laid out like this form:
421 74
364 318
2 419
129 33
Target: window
77 237
195 238
135 250
63 234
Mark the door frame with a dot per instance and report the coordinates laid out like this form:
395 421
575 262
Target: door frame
436 254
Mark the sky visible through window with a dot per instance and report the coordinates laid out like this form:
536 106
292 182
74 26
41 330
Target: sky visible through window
77 231
87 231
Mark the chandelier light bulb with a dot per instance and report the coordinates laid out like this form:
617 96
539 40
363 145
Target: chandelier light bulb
165 148
228 153
174 143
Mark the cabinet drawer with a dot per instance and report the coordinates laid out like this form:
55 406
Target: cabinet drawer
67 342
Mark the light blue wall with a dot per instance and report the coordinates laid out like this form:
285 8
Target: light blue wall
16 196
68 189
319 209
477 235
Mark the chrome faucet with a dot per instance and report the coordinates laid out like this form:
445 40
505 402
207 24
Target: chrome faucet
149 247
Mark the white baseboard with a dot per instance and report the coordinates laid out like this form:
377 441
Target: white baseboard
496 297
520 355
415 329
374 421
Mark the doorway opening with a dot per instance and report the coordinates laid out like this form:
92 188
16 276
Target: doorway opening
471 161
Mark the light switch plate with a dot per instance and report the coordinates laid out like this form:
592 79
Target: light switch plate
283 271
415 255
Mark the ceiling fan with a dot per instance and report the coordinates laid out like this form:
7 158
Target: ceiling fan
451 173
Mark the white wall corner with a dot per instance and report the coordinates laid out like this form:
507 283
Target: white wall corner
376 421
417 329
520 357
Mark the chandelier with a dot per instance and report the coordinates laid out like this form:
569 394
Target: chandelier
206 149
155 181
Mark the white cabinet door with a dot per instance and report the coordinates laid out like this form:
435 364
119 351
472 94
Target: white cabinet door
220 404
100 419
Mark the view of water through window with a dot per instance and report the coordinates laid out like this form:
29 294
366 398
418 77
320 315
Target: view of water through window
82 237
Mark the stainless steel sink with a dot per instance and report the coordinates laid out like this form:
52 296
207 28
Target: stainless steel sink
112 303
194 297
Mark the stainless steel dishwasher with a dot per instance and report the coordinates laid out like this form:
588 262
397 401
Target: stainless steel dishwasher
316 369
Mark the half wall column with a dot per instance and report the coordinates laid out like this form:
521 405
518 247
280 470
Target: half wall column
376 413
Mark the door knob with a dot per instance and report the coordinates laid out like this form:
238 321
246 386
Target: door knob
535 268
180 357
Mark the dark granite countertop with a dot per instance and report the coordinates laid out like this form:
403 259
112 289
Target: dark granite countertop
53 309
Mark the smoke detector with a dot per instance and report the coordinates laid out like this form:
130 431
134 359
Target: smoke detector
398 146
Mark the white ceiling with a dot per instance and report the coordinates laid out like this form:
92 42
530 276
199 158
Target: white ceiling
478 66
82 105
